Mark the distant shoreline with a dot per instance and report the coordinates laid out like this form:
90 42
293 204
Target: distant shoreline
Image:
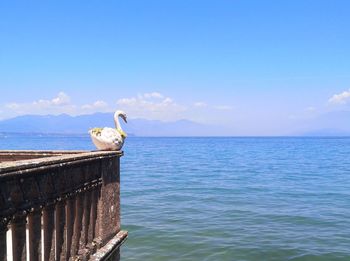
63 134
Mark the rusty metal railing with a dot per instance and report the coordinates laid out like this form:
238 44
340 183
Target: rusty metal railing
59 205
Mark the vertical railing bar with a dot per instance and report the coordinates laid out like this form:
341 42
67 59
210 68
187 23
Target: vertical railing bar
77 223
49 232
18 228
3 239
93 211
93 219
61 231
34 228
84 251
97 238
70 217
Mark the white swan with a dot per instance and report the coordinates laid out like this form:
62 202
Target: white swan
110 138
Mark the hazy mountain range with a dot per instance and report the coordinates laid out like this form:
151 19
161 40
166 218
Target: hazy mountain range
67 124
335 123
328 124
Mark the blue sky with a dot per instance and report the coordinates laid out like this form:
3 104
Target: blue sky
252 66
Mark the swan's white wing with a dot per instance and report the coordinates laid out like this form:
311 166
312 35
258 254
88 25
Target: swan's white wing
95 135
109 134
107 138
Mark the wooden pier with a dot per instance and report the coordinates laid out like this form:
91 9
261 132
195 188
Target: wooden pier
60 205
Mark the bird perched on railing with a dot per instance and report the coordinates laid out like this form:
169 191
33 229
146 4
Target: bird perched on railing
110 138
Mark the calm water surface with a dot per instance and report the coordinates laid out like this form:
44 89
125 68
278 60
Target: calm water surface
228 198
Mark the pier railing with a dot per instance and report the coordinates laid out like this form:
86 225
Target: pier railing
60 205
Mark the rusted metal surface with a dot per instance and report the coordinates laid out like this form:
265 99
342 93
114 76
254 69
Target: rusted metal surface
72 198
13 155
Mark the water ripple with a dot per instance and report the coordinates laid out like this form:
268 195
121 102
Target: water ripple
228 198
236 199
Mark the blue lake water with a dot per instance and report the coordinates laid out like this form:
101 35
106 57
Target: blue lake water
228 198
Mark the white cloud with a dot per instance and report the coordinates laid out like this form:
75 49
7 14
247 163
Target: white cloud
61 99
153 95
341 98
223 107
97 105
310 109
13 106
152 106
217 107
61 103
200 104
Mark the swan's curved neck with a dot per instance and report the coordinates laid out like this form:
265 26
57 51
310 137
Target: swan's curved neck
118 126
116 121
